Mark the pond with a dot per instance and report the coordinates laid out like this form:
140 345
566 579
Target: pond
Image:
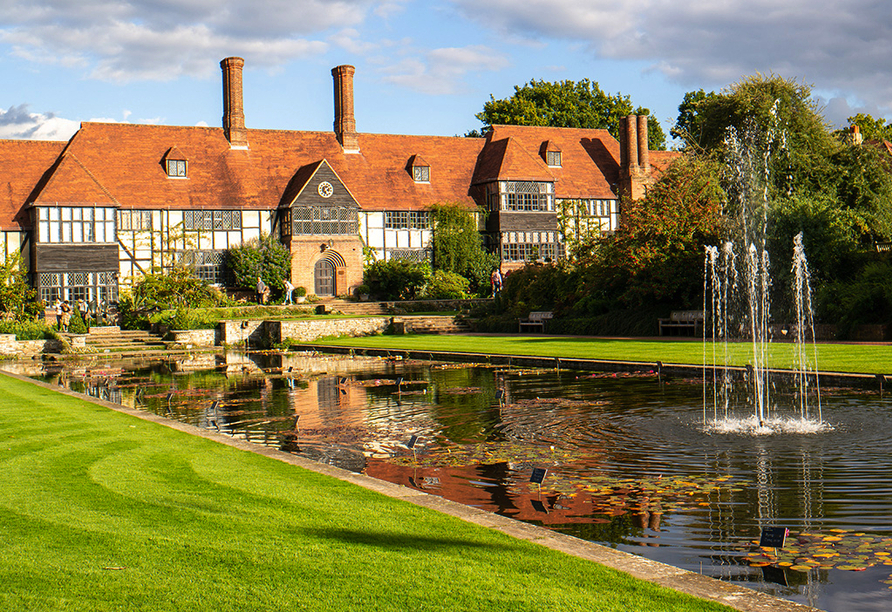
628 462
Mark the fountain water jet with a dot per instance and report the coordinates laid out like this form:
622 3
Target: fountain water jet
737 303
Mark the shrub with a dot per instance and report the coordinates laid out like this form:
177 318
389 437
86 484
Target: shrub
265 257
397 279
446 286
28 330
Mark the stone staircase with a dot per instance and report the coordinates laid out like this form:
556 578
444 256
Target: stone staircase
429 324
115 340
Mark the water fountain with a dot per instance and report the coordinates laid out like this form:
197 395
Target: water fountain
737 305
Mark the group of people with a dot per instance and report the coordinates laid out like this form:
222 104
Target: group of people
263 291
97 312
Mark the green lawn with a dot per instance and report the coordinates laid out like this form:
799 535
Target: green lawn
870 359
103 511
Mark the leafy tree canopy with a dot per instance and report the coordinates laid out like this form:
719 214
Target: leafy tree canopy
871 129
572 104
15 292
457 246
657 254
265 257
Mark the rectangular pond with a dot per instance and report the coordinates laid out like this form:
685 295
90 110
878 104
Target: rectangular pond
628 461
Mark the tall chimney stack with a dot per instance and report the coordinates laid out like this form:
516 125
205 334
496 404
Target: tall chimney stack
233 105
344 121
632 142
643 150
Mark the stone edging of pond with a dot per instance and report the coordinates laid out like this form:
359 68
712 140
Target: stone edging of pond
704 587
676 370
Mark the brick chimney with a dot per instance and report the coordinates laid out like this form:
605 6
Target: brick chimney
635 171
344 121
233 105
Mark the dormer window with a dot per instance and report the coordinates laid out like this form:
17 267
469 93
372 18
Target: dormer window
175 164
551 153
176 168
421 174
419 169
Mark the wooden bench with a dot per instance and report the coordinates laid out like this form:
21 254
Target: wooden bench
681 322
535 321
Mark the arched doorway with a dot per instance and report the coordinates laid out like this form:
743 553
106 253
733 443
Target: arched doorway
324 273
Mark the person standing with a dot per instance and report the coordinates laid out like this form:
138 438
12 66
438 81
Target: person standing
496 280
65 309
261 291
289 288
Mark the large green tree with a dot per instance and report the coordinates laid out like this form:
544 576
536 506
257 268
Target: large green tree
656 256
575 104
457 246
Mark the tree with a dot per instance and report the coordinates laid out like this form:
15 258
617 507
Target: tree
871 129
688 127
771 116
657 254
572 104
15 292
457 246
265 257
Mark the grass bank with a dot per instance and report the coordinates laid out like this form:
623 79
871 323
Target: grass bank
862 358
103 511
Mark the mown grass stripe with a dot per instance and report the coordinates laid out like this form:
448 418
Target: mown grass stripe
102 511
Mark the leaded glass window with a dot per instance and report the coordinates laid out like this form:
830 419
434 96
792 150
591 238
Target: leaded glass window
70 224
324 221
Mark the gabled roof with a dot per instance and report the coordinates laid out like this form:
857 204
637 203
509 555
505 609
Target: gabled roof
173 153
304 176
124 158
508 160
589 158
23 164
71 184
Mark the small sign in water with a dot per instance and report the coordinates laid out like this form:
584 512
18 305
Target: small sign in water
538 476
774 537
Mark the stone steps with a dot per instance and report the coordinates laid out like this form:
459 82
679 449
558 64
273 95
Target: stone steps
114 339
435 325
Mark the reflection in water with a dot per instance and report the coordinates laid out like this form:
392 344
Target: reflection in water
628 461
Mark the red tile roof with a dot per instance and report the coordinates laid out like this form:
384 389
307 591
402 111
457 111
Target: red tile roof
23 163
72 184
123 164
507 159
589 158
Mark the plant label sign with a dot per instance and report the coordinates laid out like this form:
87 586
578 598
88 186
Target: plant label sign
412 442
538 476
774 537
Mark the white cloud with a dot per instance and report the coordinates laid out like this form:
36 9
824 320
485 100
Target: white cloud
841 45
19 123
164 39
350 40
441 71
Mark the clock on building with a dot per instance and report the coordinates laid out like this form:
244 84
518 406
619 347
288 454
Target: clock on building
325 189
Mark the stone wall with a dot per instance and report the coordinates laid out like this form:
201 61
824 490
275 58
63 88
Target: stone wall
194 337
239 332
312 329
9 346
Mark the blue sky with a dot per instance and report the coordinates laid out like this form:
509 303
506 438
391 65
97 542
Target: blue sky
422 66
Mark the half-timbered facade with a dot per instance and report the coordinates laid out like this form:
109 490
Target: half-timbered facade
119 200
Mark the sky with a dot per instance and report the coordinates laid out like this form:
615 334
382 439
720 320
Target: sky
422 66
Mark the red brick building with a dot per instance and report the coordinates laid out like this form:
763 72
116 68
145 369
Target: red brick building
117 199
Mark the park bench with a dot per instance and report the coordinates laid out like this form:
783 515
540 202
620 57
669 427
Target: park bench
682 323
535 321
